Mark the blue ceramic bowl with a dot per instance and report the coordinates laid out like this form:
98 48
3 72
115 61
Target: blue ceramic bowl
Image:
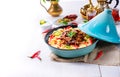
65 53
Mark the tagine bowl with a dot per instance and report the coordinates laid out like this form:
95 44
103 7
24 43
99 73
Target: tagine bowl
70 52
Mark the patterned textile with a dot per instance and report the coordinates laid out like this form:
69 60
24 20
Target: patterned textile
110 55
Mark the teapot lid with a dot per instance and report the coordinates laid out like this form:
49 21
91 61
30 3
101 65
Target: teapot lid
102 27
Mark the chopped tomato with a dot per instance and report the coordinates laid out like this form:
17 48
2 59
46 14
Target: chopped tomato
85 43
68 27
90 41
76 46
51 36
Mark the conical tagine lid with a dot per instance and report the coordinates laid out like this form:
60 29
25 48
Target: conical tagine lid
102 27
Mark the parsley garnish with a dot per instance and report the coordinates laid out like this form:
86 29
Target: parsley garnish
71 34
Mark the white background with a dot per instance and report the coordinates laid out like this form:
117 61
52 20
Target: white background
20 36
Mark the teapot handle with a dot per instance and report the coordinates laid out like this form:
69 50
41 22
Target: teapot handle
43 5
117 2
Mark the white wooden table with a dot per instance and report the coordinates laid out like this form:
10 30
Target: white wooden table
20 36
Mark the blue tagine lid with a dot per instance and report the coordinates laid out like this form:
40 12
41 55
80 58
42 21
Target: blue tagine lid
102 27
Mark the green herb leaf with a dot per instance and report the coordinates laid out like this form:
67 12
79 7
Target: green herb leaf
57 0
64 22
68 46
71 34
85 21
44 1
54 0
87 36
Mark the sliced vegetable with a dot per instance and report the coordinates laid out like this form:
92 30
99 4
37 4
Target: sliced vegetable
63 22
68 46
51 36
44 1
68 27
57 33
87 36
85 21
90 41
42 22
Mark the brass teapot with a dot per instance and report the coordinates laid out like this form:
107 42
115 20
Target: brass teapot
99 8
55 9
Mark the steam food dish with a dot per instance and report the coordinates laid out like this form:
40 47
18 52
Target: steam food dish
68 19
69 42
69 38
